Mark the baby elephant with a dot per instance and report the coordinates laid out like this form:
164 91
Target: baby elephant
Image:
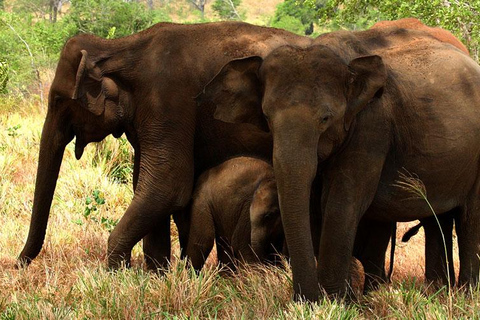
236 205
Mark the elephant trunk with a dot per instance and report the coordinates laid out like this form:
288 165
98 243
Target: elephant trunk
295 166
54 139
258 242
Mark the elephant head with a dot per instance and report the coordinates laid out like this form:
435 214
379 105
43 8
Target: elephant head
84 102
265 221
309 99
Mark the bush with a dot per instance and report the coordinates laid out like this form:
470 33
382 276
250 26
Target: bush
99 16
3 76
289 23
227 9
297 15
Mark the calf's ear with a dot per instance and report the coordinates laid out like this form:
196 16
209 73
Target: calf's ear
368 76
237 92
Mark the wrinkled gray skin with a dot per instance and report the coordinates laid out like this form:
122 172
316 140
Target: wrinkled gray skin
144 86
359 108
235 204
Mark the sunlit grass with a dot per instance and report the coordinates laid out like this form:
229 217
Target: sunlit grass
69 279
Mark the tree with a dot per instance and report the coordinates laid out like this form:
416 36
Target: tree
41 8
199 5
462 18
55 7
100 16
227 9
297 16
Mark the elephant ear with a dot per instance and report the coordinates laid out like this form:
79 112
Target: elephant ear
92 87
368 76
237 93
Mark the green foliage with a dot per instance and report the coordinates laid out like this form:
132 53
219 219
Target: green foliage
227 9
13 131
100 16
297 16
462 18
4 70
116 159
289 23
29 45
92 205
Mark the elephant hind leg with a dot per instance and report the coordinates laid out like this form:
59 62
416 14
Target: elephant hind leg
157 245
371 244
467 225
439 268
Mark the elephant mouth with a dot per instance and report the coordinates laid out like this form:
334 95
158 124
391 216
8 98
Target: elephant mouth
79 146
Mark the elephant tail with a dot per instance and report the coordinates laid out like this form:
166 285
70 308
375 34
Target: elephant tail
411 232
392 251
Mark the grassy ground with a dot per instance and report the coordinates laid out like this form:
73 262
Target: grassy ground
69 279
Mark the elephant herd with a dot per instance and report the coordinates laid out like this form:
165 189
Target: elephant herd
247 133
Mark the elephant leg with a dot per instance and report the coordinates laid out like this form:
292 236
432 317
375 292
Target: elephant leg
182 221
157 246
468 232
439 268
225 254
316 213
152 204
347 193
201 235
371 244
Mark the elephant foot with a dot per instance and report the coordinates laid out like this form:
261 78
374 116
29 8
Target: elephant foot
22 262
118 260
157 265
306 297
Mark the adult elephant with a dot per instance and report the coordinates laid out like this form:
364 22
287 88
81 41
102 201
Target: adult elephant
358 108
439 267
144 86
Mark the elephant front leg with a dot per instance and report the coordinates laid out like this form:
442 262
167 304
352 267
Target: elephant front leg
149 213
335 252
348 190
200 228
157 245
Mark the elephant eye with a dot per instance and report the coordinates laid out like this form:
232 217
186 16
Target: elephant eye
325 119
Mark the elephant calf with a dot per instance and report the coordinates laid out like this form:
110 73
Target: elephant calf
235 204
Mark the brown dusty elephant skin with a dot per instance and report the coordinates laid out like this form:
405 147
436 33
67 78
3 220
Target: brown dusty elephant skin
435 259
235 204
144 85
360 108
415 24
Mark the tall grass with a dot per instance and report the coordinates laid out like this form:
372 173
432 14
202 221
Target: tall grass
413 185
69 279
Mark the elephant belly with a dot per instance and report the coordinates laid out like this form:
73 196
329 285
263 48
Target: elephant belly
418 188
